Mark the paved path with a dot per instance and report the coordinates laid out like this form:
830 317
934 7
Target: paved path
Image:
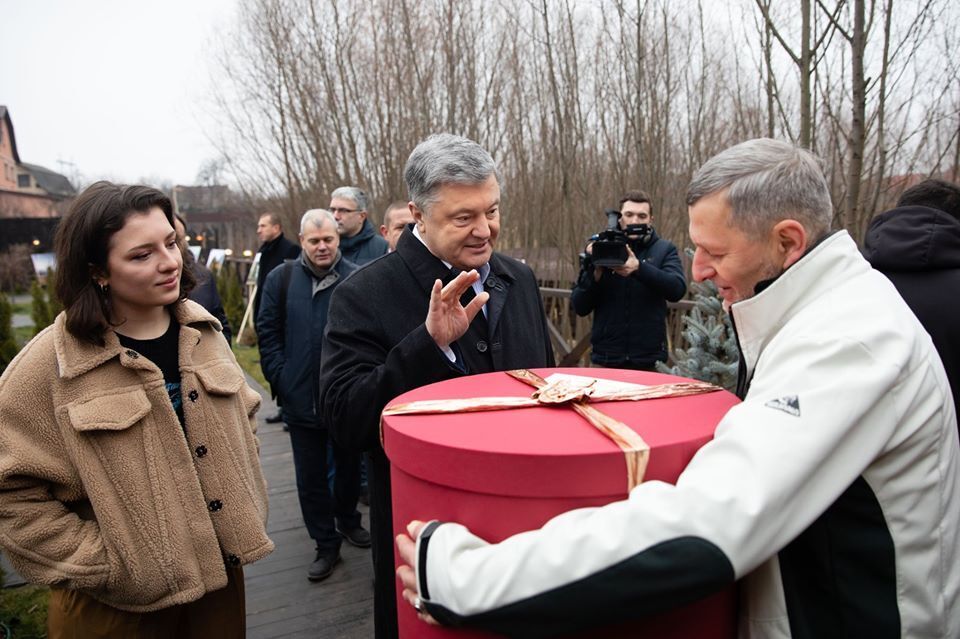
280 600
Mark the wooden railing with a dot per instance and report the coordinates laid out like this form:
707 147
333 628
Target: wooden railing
571 334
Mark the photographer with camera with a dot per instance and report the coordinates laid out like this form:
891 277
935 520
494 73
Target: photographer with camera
627 275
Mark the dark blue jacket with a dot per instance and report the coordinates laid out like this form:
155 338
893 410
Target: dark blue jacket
363 247
291 338
629 321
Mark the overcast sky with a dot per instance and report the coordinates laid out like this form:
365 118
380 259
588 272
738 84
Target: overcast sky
117 87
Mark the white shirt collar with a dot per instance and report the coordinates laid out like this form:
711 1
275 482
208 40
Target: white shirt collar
484 270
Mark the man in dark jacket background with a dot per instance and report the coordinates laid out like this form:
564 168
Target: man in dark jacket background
917 246
275 248
296 299
407 320
629 302
359 241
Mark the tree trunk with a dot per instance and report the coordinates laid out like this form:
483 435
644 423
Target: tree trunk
857 46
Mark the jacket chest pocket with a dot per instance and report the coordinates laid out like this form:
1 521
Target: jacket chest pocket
221 382
113 412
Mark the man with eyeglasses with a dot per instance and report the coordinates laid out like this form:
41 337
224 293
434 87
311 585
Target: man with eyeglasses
359 241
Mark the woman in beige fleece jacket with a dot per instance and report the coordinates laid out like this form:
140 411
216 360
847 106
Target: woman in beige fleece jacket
129 473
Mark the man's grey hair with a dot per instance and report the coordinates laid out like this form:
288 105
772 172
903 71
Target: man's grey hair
317 218
359 197
444 158
767 181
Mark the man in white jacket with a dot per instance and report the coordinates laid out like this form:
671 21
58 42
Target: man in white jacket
832 491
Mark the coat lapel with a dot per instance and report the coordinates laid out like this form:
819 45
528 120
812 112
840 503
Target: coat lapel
424 265
498 285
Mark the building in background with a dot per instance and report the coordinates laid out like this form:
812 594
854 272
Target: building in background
32 198
217 218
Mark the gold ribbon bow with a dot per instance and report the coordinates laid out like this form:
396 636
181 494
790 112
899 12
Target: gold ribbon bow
576 393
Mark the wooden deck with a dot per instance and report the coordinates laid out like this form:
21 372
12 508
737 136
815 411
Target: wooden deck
280 600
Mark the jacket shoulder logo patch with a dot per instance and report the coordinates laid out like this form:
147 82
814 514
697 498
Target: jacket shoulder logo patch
789 404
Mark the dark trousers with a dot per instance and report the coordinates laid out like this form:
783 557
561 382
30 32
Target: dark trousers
381 530
319 508
220 614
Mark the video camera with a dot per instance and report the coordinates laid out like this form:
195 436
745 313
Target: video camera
609 245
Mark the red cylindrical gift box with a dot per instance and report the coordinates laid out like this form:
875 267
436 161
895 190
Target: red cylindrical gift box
507 471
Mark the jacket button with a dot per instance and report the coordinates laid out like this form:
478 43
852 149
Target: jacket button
201 451
482 346
193 395
215 505
233 560
132 354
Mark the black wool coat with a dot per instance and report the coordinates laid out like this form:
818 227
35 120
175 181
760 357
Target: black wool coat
918 249
272 255
377 347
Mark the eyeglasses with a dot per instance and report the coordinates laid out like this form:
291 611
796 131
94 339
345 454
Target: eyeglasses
342 211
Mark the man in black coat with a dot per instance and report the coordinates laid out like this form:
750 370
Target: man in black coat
407 320
275 248
917 246
629 302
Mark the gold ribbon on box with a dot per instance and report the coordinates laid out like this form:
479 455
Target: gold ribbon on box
577 392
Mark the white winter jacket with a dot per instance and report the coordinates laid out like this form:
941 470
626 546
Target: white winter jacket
831 490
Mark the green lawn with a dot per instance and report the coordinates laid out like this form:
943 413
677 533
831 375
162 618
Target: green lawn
24 308
23 610
22 335
249 358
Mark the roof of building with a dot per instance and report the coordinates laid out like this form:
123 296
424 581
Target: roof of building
5 115
203 198
50 181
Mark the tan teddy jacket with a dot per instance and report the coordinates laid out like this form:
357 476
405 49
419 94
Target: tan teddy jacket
101 489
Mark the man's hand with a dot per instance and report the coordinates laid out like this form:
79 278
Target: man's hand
447 320
597 270
630 266
407 546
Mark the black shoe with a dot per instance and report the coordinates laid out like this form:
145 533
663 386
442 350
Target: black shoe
356 536
322 566
275 418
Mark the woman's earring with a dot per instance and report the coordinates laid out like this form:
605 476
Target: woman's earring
104 288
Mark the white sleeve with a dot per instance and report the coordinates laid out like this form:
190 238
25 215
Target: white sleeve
778 461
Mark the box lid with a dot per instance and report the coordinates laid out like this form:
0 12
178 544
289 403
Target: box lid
546 451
